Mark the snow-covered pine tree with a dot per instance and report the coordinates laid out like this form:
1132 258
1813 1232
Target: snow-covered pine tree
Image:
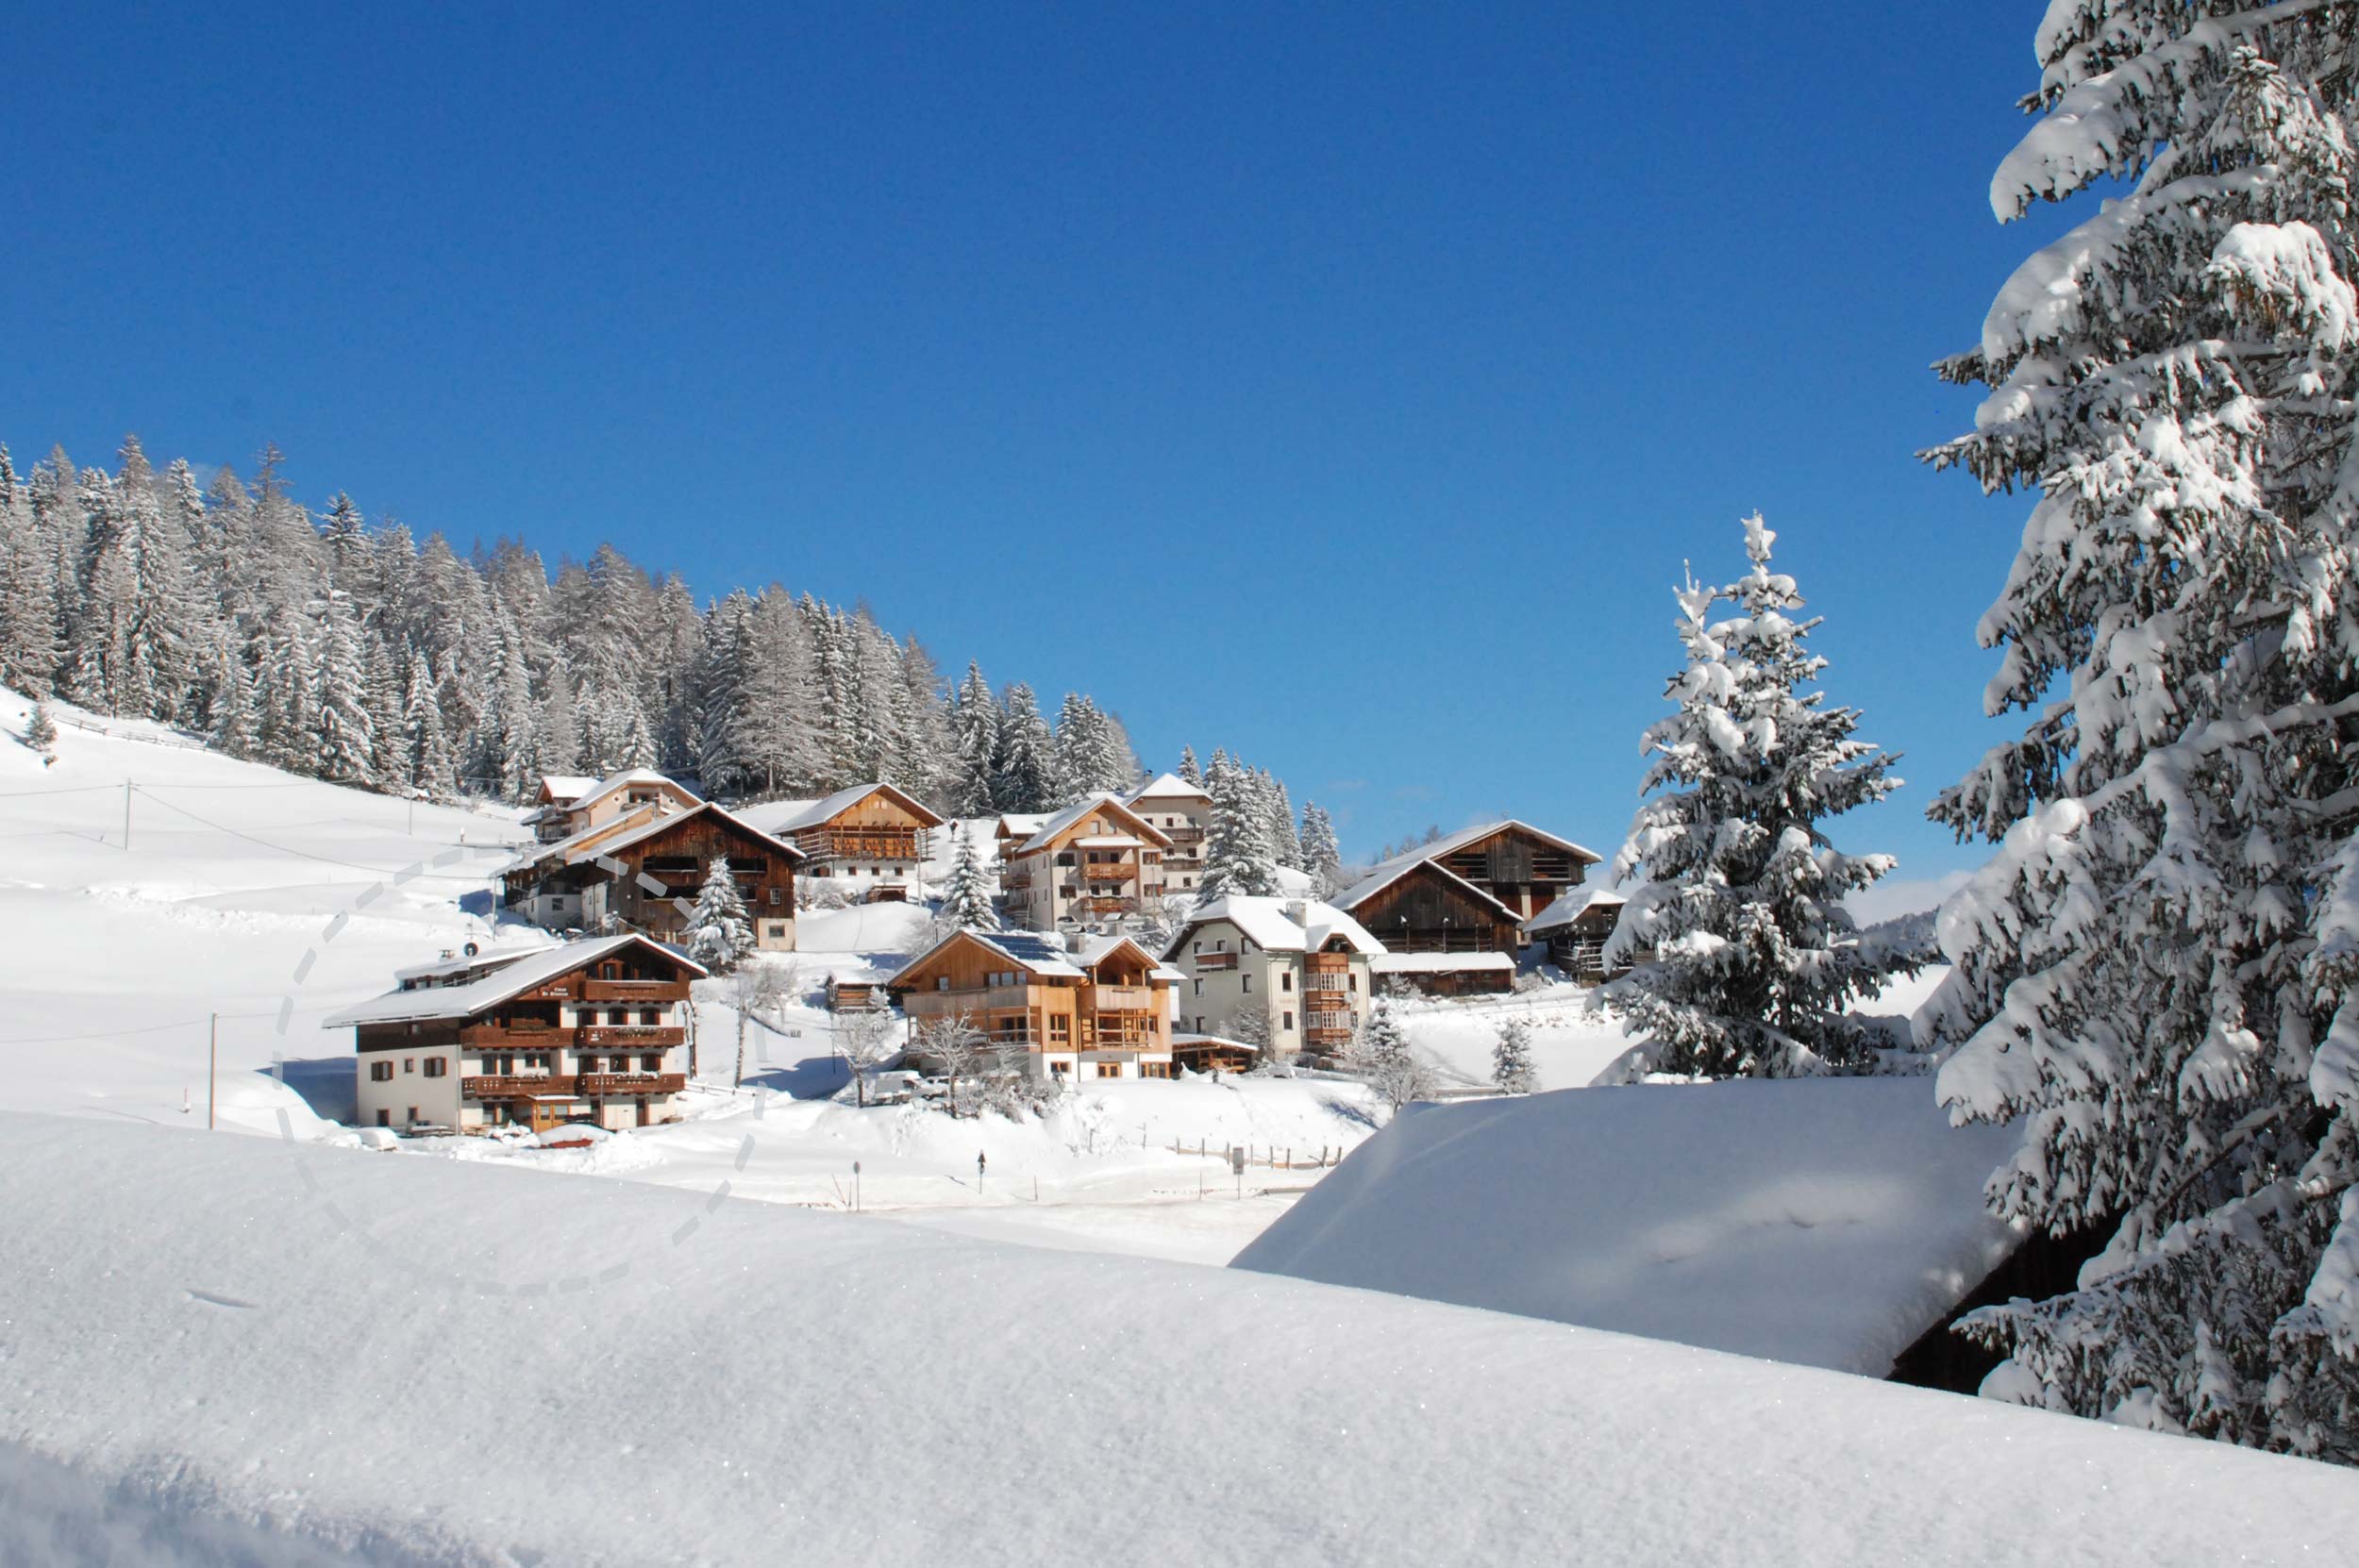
344 745
1380 1053
389 761
719 930
1279 811
1021 771
30 647
966 896
41 730
430 767
2155 969
1757 962
1511 1058
1237 856
975 726
237 722
1322 856
1189 771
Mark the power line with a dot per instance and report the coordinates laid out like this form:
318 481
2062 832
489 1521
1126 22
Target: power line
76 790
307 855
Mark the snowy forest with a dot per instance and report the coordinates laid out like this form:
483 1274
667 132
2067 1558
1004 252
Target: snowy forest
356 655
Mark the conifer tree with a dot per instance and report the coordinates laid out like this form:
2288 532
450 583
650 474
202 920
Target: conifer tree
719 930
429 757
967 896
1756 960
1021 771
1380 1053
1322 856
237 723
41 730
1511 1058
2154 971
1237 859
975 726
1189 771
344 745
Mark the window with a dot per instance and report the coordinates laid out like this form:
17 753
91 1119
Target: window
384 1117
1060 1027
1289 1019
380 1072
778 930
1110 1069
437 1067
408 1064
1244 979
413 1113
651 1063
1061 1068
776 895
1199 986
1353 982
1286 980
650 1016
942 982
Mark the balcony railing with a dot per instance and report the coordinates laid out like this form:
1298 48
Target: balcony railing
633 991
650 1036
491 1087
858 843
936 1004
516 1037
1214 960
1184 835
1106 906
1327 1034
1126 998
599 1085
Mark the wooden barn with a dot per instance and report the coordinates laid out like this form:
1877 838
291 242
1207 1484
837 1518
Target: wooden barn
1516 863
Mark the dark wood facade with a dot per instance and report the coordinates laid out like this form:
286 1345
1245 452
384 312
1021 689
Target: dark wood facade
1524 870
1427 910
676 858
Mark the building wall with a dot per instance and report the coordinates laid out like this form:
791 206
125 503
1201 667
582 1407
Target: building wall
1183 863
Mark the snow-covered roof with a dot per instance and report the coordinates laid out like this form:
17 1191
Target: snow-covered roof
1035 952
564 788
509 980
627 777
1107 840
578 845
1439 963
1103 801
818 812
1827 1222
1571 904
1272 925
1094 950
1169 786
1392 871
663 822
485 959
1451 843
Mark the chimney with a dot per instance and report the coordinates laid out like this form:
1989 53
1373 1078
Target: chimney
1298 910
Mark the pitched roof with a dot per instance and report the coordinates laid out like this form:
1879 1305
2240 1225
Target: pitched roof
663 822
1571 904
1392 871
1033 951
1095 951
1269 926
486 959
1103 801
628 776
1167 786
1451 843
525 971
567 786
844 800
576 844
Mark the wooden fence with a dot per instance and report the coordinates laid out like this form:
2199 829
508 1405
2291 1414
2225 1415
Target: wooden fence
1271 1157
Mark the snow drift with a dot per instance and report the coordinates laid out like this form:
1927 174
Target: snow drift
1825 1222
449 1364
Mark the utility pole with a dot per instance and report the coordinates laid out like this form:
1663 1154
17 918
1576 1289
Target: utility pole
212 1068
126 816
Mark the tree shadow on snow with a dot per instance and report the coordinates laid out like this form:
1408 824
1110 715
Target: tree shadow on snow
326 1084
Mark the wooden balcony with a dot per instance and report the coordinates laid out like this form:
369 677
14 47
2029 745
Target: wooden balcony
1125 998
604 1085
1184 835
515 1036
884 845
1014 882
1327 1034
496 1088
649 1036
1106 906
941 1003
1107 871
1206 963
633 991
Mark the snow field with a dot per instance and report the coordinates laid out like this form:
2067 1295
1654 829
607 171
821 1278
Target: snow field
221 1324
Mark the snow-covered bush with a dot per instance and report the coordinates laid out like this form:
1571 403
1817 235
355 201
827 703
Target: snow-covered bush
2155 970
1511 1058
1755 961
719 931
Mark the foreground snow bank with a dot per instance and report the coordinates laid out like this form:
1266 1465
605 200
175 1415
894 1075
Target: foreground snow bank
584 1372
1828 1221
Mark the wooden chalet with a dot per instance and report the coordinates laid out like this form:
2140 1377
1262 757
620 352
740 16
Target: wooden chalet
645 873
1097 859
593 1031
1103 1011
871 839
1576 928
1424 915
1514 862
569 807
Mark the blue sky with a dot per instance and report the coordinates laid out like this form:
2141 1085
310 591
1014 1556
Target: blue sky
1343 385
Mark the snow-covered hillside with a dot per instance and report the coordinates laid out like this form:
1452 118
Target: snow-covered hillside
438 1364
